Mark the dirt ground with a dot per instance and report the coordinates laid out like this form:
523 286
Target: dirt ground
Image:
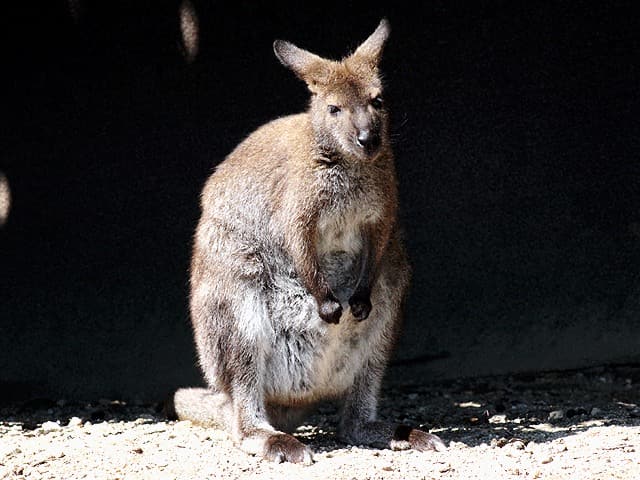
557 425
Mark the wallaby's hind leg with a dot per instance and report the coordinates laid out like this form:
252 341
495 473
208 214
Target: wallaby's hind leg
215 410
358 423
359 426
252 430
232 336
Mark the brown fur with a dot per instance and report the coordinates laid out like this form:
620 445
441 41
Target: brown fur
297 245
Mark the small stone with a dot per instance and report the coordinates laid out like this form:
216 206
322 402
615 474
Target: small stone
556 415
50 427
144 418
595 412
498 419
516 444
546 460
75 422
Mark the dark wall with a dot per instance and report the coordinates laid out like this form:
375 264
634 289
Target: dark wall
517 142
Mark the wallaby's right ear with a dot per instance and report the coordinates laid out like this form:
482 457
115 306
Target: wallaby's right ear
306 65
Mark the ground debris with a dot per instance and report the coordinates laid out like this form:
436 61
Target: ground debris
515 434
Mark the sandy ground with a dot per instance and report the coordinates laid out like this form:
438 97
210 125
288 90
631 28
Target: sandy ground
561 425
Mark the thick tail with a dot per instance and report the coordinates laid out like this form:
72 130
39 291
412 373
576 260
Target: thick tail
201 406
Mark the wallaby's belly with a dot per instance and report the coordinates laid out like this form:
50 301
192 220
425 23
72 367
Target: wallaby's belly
307 359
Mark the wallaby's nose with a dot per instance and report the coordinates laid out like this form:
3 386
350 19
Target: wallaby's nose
366 139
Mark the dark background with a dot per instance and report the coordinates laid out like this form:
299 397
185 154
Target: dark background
518 148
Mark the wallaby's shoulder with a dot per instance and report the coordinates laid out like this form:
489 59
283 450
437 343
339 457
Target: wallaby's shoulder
285 138
279 148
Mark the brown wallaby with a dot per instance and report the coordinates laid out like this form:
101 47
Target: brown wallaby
298 272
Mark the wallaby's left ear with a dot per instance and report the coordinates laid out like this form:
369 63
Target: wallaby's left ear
371 49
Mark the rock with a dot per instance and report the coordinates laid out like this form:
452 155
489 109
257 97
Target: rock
75 422
498 419
50 427
556 415
595 412
516 444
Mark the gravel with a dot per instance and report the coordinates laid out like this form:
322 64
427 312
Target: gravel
556 425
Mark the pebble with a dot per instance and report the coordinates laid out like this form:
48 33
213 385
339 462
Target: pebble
50 427
556 415
517 444
75 422
498 419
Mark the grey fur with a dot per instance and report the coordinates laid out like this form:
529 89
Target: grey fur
298 273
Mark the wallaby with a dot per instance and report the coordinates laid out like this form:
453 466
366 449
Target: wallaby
298 272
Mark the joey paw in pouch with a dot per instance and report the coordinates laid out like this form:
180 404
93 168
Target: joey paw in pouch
330 310
360 306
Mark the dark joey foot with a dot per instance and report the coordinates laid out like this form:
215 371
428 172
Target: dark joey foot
281 447
330 310
407 437
360 306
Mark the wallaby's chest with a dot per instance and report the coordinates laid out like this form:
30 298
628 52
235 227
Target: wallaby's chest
351 202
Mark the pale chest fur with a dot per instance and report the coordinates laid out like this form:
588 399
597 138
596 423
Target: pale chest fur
352 201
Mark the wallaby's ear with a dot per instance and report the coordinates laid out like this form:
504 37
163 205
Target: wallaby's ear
306 65
371 49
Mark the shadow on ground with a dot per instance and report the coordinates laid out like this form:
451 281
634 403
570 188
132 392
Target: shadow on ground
495 410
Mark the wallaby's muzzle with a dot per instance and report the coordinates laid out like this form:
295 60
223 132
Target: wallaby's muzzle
368 140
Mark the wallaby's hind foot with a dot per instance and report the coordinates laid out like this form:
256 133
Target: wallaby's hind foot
282 447
406 437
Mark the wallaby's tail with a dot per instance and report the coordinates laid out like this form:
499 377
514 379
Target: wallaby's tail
201 406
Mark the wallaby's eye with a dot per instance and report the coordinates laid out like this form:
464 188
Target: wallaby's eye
376 102
333 109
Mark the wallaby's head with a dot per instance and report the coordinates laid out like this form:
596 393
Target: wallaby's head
347 110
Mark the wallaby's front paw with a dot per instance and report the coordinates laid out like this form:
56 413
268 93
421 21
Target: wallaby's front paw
281 447
406 436
330 310
360 307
